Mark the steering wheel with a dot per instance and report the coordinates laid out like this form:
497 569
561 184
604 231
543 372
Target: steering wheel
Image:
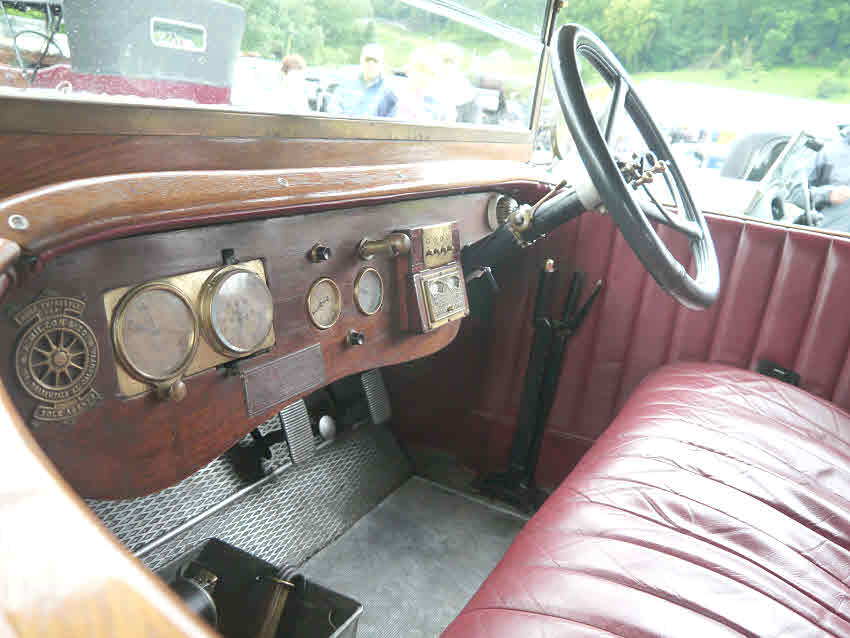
615 184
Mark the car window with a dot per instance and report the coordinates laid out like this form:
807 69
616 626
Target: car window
764 159
733 84
421 62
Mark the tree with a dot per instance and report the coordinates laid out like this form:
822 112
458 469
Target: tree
631 27
320 30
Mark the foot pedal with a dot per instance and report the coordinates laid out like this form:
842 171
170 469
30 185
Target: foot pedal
299 432
376 396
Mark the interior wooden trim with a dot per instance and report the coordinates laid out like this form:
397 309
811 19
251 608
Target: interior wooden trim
22 114
71 214
42 160
62 573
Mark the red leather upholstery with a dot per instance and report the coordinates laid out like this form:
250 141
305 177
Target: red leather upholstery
783 298
715 504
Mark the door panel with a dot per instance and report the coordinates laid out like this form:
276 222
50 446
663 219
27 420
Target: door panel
785 297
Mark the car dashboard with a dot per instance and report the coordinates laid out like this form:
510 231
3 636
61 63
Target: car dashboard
137 360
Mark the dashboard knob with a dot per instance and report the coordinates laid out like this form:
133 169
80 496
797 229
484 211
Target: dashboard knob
355 338
175 391
319 253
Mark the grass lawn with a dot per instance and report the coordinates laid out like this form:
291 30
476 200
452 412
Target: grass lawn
794 82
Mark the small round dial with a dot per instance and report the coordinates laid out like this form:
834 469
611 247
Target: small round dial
155 332
237 310
324 303
369 291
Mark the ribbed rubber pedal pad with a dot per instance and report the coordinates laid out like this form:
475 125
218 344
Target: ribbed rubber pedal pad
299 433
376 396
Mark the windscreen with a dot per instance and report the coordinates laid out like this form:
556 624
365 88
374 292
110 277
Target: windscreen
417 61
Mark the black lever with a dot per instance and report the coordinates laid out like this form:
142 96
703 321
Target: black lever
513 485
572 319
541 384
491 281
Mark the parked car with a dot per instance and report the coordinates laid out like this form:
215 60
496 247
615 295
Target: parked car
760 176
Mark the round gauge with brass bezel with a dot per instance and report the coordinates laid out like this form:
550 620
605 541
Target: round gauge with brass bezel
324 303
237 310
369 291
155 332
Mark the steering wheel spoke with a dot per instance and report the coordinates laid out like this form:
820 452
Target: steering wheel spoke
615 107
658 212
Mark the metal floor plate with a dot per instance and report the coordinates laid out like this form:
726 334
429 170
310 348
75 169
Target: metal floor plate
416 559
286 520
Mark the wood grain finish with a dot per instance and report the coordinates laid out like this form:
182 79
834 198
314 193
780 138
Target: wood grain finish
76 213
42 159
75 115
61 573
131 447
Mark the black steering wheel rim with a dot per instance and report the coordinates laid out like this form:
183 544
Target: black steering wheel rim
571 41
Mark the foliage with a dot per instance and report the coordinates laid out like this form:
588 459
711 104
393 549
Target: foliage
843 69
631 28
275 28
683 33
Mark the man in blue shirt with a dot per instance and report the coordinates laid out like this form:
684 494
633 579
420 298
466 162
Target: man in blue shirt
368 95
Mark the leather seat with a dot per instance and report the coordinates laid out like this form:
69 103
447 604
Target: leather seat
716 504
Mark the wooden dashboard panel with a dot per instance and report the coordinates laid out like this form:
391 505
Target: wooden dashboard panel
130 447
68 215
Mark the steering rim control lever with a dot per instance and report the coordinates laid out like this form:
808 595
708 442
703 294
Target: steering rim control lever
524 226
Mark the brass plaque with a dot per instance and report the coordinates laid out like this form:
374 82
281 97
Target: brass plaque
438 245
206 357
276 381
57 358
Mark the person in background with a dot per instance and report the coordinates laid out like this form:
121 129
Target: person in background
293 95
829 183
418 101
369 94
457 90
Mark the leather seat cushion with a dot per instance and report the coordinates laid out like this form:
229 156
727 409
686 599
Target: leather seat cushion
715 504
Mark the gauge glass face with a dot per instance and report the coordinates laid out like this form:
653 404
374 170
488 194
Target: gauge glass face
157 333
324 303
241 311
369 291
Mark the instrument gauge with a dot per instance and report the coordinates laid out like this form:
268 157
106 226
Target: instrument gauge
155 332
237 310
369 291
324 303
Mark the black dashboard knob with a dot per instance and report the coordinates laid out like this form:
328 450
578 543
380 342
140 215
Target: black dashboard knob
355 338
320 253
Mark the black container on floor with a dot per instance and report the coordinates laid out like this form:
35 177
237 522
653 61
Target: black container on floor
312 611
